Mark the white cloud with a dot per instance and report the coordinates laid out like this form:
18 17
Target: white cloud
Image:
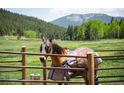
59 12
49 14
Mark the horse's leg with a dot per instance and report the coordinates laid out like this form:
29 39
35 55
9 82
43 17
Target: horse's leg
59 83
86 80
96 79
64 83
86 77
66 76
66 79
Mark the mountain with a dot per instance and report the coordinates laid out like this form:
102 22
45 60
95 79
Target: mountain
78 19
10 22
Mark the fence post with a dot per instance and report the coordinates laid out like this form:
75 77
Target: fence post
23 64
91 70
45 71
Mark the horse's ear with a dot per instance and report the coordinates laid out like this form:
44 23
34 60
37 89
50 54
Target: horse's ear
50 40
43 39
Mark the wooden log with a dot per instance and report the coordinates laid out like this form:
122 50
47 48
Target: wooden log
45 71
23 64
91 70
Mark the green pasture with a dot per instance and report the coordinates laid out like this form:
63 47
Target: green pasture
32 45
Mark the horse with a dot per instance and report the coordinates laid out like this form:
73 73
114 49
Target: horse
48 46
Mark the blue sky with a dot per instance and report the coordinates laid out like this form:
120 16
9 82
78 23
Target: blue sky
49 14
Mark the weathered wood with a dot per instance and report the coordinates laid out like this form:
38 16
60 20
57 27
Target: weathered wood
23 64
120 76
39 67
91 70
41 81
45 71
40 54
10 61
11 70
114 68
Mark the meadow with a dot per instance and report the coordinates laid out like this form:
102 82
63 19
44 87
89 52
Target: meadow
33 45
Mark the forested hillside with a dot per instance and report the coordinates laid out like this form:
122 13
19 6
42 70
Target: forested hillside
96 29
22 25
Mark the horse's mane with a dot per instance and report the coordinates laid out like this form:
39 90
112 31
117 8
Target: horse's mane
41 48
57 49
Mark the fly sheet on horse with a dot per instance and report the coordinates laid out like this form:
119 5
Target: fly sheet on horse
50 47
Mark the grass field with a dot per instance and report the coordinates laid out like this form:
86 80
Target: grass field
32 45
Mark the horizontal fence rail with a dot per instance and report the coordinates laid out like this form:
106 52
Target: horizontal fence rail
110 81
14 61
39 67
41 81
40 54
117 68
60 55
117 56
113 59
107 50
109 76
10 70
91 67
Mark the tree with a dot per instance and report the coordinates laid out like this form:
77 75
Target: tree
19 33
112 19
69 32
75 32
93 30
122 29
13 24
114 30
80 33
30 34
106 31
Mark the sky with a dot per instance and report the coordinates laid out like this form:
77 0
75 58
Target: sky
49 14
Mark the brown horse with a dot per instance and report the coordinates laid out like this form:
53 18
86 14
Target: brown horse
49 47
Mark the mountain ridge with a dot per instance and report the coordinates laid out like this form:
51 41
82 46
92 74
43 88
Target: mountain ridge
78 19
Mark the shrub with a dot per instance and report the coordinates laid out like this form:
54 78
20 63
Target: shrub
30 34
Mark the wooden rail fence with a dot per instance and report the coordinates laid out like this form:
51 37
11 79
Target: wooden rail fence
92 76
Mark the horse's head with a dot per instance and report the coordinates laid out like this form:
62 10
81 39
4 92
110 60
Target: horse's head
46 47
